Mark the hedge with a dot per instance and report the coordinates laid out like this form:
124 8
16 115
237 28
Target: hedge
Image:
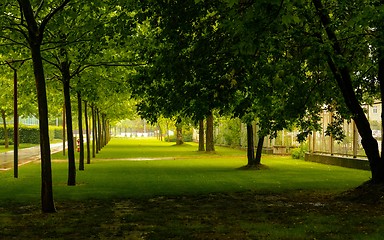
31 134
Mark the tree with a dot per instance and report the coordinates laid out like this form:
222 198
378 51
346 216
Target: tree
31 27
343 71
202 80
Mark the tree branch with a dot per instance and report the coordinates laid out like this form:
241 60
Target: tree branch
39 9
109 64
51 14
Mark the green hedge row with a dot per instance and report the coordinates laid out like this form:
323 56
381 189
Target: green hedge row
31 134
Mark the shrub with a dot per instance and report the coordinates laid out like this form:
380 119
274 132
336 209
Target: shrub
10 141
29 134
56 132
299 153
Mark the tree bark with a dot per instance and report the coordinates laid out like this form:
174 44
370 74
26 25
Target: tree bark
344 81
94 148
104 130
259 150
64 140
250 145
6 137
67 99
179 134
15 127
210 145
81 138
99 136
35 37
87 132
201 135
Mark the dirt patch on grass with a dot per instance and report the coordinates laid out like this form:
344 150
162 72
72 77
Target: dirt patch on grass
368 193
255 167
244 215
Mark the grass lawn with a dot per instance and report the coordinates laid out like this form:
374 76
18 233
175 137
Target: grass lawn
147 189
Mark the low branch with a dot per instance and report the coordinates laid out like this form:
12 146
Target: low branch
109 64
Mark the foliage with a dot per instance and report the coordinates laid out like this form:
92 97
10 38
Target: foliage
299 153
229 132
31 134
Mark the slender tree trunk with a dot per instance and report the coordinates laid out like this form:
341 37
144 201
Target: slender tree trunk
167 126
210 145
45 149
250 146
344 81
68 111
201 135
99 134
15 127
80 119
6 137
94 149
35 38
87 132
104 130
160 132
259 150
64 139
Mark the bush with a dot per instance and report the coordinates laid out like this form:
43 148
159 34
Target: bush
299 153
56 132
10 141
29 134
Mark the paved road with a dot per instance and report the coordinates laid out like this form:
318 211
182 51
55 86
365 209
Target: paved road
25 155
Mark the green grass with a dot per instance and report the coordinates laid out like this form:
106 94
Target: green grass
187 172
188 195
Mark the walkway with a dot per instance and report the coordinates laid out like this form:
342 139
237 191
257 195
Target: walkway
25 155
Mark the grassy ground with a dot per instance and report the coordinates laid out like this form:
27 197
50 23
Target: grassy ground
138 189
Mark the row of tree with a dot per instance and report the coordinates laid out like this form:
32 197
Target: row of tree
277 62
68 47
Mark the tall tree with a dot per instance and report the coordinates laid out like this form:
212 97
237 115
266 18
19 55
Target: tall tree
343 70
31 27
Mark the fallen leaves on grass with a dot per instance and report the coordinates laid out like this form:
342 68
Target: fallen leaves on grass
242 215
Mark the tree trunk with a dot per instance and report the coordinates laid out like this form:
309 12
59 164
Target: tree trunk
98 145
34 40
160 132
201 135
250 146
344 81
80 119
104 130
64 140
259 150
68 111
87 132
210 145
6 137
167 126
48 205
94 148
179 134
15 127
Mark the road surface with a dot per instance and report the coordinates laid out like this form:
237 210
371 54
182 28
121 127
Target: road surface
25 155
